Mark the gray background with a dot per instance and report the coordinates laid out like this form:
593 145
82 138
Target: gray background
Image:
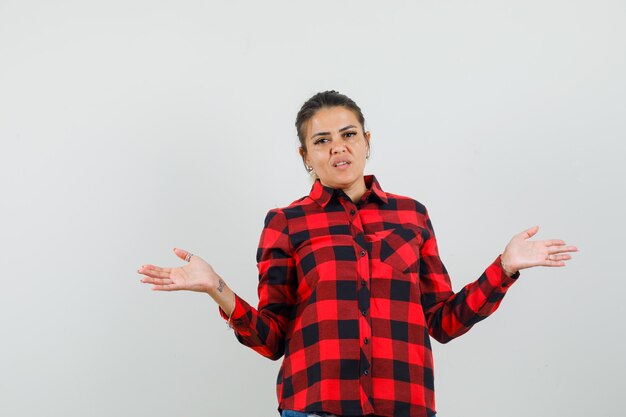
131 127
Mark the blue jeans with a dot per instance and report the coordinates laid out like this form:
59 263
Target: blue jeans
289 413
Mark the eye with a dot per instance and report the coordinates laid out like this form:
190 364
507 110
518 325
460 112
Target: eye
320 140
350 134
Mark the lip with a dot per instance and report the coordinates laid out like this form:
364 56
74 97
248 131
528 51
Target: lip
334 163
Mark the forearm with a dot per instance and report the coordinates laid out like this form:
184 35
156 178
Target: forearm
454 314
262 330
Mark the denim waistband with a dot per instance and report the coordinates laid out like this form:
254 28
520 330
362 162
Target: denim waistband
289 413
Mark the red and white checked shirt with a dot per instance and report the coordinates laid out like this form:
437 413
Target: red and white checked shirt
349 294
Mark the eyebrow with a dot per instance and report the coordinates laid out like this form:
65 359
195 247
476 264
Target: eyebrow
328 133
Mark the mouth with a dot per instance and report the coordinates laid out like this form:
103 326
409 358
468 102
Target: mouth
340 164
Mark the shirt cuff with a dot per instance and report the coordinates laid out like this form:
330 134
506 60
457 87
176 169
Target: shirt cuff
238 312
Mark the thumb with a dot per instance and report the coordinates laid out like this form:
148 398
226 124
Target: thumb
181 253
528 233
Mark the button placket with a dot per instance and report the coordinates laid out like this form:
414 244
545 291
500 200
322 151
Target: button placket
363 295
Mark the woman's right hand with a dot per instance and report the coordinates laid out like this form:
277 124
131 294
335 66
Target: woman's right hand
197 275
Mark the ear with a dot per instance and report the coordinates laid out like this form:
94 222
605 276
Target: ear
367 137
302 153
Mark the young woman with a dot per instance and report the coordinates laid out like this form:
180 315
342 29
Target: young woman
351 286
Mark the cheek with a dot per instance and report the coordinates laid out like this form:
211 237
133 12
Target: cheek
314 160
362 150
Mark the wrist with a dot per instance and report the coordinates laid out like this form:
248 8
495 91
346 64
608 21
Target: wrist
215 286
232 311
223 296
507 267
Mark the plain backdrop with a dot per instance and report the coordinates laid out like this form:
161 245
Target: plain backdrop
131 127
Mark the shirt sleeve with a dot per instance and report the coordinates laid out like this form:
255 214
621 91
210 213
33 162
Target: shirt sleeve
263 329
450 314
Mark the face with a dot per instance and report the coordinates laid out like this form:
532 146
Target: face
336 147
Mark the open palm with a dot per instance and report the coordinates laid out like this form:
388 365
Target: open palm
523 253
194 276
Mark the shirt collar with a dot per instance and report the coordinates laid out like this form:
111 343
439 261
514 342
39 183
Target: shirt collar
322 194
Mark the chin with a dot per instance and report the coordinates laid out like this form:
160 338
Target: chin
341 181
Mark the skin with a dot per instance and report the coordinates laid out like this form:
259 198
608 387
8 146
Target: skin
334 134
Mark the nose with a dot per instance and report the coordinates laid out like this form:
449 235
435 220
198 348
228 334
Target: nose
338 148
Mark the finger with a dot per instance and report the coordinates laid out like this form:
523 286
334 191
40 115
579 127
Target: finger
157 281
553 242
562 249
528 233
171 287
153 273
553 263
182 254
564 257
156 268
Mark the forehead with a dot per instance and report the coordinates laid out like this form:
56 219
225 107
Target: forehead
331 119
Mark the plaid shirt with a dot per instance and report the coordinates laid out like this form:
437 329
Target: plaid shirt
349 294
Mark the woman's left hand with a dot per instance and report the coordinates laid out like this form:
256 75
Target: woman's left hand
522 253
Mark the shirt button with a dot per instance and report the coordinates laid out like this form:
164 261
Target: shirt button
366 372
352 212
364 312
362 253
363 283
366 341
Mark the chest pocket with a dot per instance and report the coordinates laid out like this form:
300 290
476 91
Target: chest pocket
397 248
